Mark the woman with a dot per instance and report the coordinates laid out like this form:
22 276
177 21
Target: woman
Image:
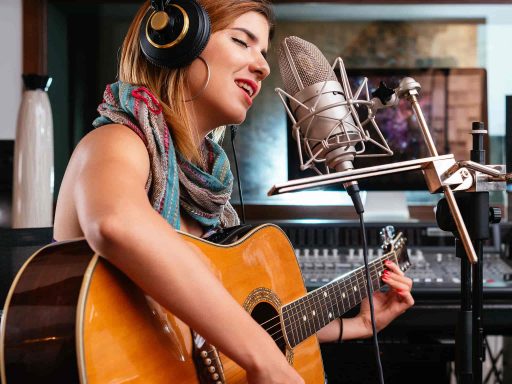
120 189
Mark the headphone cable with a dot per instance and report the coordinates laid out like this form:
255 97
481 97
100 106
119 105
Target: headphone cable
233 129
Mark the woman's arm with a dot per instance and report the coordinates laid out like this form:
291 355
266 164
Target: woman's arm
120 224
387 307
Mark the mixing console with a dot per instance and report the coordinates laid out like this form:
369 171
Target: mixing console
328 250
431 268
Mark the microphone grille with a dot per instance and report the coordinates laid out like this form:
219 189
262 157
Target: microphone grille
302 64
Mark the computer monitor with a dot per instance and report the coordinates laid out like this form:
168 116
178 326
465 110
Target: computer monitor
450 99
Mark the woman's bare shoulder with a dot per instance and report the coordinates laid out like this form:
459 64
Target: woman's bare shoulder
113 135
112 142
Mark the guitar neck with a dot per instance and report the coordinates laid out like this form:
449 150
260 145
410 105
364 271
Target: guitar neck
305 316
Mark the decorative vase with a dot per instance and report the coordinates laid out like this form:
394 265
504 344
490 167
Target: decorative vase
33 178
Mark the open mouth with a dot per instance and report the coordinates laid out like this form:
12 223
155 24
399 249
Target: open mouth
246 87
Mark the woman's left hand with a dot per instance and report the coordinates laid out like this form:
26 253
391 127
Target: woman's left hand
391 304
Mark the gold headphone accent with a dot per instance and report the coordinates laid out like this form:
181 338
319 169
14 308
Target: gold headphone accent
159 20
158 23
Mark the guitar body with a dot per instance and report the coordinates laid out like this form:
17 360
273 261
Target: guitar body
72 317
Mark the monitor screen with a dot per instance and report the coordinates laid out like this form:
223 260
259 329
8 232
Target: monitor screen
450 99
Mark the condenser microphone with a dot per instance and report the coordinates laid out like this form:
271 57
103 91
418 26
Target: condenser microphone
319 105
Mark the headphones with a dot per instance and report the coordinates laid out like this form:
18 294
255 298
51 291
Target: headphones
173 34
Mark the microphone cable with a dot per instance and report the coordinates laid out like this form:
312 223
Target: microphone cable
233 128
369 288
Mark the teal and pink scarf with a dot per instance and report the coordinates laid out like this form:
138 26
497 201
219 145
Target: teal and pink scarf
173 182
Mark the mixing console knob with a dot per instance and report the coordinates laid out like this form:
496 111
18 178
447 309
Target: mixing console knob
315 252
360 253
325 252
306 252
439 257
370 252
335 252
351 253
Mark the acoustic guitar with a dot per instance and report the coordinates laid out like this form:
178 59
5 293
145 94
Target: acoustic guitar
71 317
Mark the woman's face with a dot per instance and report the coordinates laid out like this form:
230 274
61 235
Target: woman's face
236 56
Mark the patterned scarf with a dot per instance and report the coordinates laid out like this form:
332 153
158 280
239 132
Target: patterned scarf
203 195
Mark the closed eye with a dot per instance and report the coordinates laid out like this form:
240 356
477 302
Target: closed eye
240 42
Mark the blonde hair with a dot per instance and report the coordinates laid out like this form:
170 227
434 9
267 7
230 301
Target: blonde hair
169 85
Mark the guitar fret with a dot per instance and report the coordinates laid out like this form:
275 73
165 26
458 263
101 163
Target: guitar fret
339 289
325 306
306 317
295 334
288 328
318 311
299 322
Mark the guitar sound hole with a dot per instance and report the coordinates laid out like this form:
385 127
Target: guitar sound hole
266 315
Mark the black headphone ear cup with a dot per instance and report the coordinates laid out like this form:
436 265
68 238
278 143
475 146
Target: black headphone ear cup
177 45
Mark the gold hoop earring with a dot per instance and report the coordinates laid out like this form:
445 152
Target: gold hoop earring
205 84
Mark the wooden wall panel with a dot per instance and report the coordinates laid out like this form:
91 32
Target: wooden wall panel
35 37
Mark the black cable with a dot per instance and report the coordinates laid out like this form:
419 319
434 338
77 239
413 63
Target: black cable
233 129
369 288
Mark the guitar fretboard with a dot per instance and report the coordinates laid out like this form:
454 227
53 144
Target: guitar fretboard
305 316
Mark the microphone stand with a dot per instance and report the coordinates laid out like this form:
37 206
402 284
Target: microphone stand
442 173
477 213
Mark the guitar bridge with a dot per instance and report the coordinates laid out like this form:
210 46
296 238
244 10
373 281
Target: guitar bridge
207 362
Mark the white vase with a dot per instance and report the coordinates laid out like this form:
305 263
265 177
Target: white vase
33 177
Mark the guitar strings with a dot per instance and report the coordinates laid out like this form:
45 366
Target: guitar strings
373 264
374 267
351 295
333 289
280 342
309 332
296 324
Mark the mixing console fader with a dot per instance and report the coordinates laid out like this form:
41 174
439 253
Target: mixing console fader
325 252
